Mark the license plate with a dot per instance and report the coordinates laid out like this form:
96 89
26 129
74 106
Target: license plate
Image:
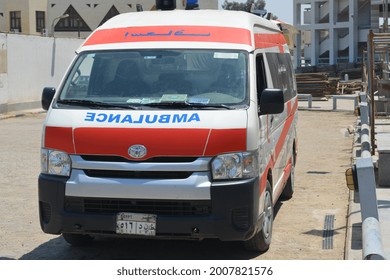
136 224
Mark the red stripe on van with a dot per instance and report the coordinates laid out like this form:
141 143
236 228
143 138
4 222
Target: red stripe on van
291 110
214 34
159 142
226 140
59 138
287 125
264 41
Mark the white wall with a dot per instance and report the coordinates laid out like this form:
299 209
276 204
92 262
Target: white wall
32 62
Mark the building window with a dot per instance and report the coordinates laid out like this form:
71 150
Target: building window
72 23
15 21
40 21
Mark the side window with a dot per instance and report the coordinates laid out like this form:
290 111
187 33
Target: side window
282 76
292 84
261 79
285 70
273 63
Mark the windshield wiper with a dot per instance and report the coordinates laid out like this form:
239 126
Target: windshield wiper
95 104
181 105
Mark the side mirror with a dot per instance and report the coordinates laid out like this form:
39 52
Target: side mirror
47 97
271 101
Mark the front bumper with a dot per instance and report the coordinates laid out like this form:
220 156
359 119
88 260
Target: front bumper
233 213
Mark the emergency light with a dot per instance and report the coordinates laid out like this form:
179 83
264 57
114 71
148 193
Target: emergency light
166 5
192 5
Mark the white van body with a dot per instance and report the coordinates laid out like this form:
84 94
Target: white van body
171 124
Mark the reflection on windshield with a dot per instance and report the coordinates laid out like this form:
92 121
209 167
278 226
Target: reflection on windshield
139 78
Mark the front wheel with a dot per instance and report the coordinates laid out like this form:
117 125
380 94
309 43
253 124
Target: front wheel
261 241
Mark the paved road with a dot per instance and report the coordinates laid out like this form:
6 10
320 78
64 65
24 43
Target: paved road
325 151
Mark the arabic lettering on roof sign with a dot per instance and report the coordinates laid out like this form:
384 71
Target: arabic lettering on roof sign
213 34
169 33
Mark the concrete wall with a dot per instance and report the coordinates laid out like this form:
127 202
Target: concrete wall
29 63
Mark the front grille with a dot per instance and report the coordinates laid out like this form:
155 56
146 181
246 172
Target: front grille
158 207
137 174
122 159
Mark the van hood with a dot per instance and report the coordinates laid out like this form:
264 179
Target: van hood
162 133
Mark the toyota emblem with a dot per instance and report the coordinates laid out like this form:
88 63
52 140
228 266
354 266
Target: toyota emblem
137 151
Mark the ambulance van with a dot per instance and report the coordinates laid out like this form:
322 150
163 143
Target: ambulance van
171 125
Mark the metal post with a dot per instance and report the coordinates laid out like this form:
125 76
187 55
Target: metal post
371 78
385 15
309 101
57 18
78 27
356 102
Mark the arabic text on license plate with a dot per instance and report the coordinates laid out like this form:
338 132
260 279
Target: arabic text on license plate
136 223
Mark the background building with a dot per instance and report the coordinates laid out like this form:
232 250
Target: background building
86 15
43 17
334 31
23 16
2 16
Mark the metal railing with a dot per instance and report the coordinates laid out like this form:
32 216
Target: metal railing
371 233
348 97
307 97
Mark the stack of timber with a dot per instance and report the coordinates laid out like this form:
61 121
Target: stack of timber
349 87
316 84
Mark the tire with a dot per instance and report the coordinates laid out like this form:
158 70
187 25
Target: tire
77 240
288 190
261 241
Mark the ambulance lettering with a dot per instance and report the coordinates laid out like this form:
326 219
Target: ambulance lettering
141 119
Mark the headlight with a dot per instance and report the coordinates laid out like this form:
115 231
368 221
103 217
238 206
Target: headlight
235 165
55 162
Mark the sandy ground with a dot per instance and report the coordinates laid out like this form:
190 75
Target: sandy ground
325 150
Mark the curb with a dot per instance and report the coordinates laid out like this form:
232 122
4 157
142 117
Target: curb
21 114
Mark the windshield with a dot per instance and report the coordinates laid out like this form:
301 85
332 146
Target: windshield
149 78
